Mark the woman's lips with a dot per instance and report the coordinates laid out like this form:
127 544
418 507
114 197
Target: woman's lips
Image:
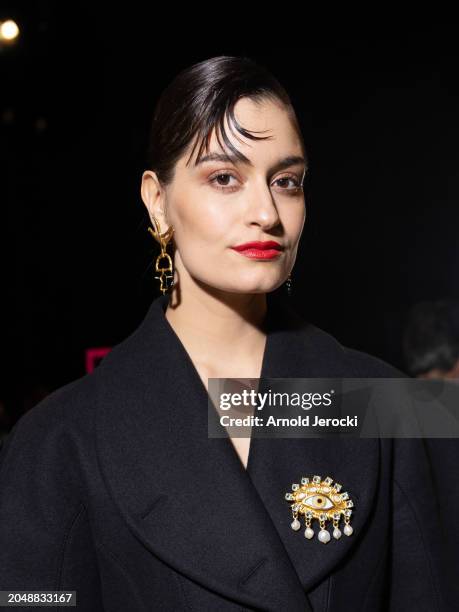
259 250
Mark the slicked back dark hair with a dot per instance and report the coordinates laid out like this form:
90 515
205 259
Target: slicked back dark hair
198 100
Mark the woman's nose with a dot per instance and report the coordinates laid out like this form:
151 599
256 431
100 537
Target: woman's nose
261 208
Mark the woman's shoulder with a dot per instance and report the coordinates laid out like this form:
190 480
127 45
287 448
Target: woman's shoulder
61 418
361 363
364 364
371 366
305 336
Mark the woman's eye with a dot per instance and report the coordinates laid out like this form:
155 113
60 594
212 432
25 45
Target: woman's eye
296 183
222 181
217 178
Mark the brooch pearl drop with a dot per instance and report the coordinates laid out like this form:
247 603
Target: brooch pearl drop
308 533
336 533
348 530
324 536
295 524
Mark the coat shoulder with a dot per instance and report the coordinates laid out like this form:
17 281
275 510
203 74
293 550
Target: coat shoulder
361 363
64 414
45 535
370 366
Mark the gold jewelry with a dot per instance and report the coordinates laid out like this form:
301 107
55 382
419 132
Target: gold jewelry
166 272
319 499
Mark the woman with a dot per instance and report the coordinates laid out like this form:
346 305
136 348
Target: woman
111 486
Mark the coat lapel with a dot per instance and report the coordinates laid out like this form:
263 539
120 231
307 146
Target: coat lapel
298 349
188 498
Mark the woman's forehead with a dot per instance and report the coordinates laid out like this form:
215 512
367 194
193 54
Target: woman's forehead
279 141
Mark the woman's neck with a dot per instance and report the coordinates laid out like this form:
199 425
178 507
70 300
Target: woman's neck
221 333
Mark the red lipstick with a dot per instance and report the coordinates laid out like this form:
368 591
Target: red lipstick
259 250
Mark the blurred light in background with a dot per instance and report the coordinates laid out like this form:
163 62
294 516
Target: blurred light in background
93 356
9 31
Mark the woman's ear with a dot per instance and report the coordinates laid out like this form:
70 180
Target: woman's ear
153 196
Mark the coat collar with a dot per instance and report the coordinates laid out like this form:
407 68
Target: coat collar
188 498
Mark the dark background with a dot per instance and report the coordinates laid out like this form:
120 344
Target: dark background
379 111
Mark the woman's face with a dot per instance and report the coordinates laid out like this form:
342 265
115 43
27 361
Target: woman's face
217 205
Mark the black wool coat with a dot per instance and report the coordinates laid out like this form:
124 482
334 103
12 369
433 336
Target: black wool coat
111 487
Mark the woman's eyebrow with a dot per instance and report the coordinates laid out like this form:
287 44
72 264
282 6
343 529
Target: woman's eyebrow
282 164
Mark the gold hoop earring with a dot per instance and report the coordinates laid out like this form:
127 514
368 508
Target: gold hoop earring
166 276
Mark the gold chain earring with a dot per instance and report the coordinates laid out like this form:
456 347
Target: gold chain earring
166 276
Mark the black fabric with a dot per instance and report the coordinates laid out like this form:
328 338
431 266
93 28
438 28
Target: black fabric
111 487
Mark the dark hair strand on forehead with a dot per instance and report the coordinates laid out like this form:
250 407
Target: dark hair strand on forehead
197 102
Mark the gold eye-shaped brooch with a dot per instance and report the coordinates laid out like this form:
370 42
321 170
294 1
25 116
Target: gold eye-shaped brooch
322 500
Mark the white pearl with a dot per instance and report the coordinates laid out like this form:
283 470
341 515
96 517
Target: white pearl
348 530
324 536
336 533
295 524
308 533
